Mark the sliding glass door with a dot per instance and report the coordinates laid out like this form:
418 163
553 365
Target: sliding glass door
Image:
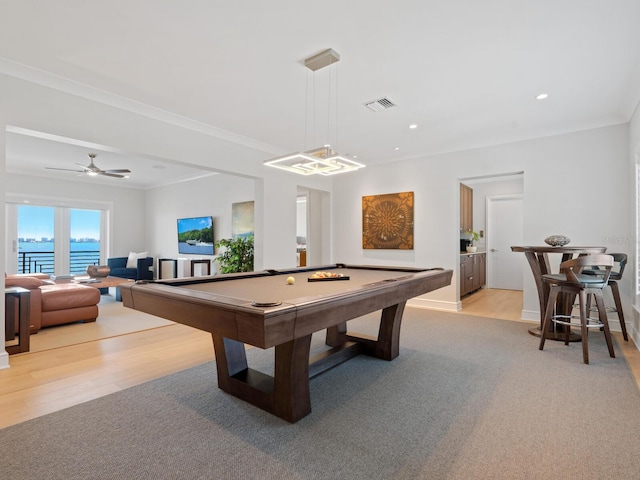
84 239
57 240
36 240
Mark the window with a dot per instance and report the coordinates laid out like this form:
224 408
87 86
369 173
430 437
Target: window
84 241
40 250
36 244
55 239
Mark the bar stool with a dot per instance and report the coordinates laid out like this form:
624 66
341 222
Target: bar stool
572 281
621 260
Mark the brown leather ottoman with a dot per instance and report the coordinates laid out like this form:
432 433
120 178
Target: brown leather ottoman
69 302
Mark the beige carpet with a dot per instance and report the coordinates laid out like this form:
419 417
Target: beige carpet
113 319
468 398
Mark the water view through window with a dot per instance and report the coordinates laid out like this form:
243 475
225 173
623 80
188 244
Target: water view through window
37 242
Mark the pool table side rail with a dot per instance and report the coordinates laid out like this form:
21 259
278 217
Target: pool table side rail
183 281
265 327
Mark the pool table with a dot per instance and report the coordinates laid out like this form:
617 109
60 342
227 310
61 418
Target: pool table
263 310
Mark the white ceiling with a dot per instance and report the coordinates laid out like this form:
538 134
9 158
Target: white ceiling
31 153
465 71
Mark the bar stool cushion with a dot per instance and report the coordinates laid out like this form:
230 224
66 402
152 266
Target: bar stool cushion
561 278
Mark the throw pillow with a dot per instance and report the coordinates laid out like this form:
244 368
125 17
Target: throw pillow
132 261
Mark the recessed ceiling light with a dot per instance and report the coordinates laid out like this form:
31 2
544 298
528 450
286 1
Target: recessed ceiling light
413 126
396 148
542 96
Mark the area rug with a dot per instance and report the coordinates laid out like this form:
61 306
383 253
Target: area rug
113 319
468 398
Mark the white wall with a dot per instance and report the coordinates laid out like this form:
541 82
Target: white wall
212 195
557 172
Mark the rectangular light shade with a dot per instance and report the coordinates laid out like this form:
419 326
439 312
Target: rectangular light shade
323 161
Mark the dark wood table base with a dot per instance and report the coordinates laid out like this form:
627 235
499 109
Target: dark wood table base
538 259
556 335
286 394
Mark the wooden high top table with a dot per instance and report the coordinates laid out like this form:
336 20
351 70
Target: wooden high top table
538 259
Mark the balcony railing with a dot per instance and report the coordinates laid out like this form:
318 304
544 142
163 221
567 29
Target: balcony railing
43 262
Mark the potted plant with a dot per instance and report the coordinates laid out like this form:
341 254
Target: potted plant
474 237
237 255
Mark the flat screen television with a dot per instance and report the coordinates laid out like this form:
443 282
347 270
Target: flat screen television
195 235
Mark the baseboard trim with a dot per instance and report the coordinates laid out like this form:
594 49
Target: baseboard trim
435 304
4 360
530 315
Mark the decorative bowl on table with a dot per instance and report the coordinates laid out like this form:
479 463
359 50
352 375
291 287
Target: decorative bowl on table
557 240
97 271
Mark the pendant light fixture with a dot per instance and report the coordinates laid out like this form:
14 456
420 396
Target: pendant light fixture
322 160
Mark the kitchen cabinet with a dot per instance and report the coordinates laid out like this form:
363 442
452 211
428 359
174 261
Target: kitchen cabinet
473 272
466 208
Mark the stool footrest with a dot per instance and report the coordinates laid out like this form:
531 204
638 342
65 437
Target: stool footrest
591 322
595 308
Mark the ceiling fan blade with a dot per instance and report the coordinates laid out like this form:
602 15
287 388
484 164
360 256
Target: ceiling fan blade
65 169
107 174
92 169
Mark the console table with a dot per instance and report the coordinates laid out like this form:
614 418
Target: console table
175 266
16 307
180 268
204 261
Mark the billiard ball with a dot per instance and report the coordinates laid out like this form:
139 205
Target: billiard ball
291 280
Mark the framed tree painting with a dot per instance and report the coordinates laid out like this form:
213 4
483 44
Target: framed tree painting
387 221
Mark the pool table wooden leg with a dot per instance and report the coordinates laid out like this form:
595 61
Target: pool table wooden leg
292 399
285 395
230 359
336 335
386 346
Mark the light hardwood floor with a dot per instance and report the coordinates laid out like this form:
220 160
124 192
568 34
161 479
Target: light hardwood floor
52 379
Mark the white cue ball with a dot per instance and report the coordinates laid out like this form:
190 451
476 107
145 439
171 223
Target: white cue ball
291 280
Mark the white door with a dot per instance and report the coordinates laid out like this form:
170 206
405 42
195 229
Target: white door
504 229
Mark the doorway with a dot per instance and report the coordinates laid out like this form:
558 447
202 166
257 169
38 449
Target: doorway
302 234
313 226
487 191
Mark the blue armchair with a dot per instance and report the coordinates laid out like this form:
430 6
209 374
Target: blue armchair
118 266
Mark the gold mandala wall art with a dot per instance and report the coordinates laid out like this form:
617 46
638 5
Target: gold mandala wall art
387 221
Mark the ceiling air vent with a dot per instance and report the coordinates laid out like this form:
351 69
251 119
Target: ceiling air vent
379 104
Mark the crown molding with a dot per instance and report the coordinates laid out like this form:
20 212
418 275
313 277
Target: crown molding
56 82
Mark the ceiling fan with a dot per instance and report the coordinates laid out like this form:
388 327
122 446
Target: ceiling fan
92 170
